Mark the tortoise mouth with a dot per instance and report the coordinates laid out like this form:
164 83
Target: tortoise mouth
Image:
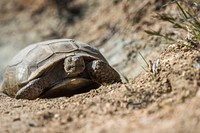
74 69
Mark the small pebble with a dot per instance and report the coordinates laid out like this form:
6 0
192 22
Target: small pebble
33 123
17 118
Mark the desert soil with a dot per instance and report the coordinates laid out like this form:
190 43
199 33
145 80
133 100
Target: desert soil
162 96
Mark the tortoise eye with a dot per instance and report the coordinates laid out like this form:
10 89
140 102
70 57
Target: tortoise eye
69 59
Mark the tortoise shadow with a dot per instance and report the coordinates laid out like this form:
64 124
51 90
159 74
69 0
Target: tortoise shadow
69 93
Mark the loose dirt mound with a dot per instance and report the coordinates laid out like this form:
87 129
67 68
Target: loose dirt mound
162 97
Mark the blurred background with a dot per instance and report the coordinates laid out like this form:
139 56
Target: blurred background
162 100
116 27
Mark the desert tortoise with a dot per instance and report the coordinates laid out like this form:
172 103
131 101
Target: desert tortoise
56 67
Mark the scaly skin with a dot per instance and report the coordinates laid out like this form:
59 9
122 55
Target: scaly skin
102 72
32 90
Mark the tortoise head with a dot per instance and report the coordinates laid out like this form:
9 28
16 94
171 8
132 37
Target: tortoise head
74 65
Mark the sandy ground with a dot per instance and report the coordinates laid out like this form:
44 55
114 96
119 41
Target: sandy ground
163 97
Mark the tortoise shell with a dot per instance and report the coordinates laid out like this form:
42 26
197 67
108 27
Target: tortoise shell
32 61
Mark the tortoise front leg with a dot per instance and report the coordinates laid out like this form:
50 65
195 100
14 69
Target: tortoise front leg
102 72
32 90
